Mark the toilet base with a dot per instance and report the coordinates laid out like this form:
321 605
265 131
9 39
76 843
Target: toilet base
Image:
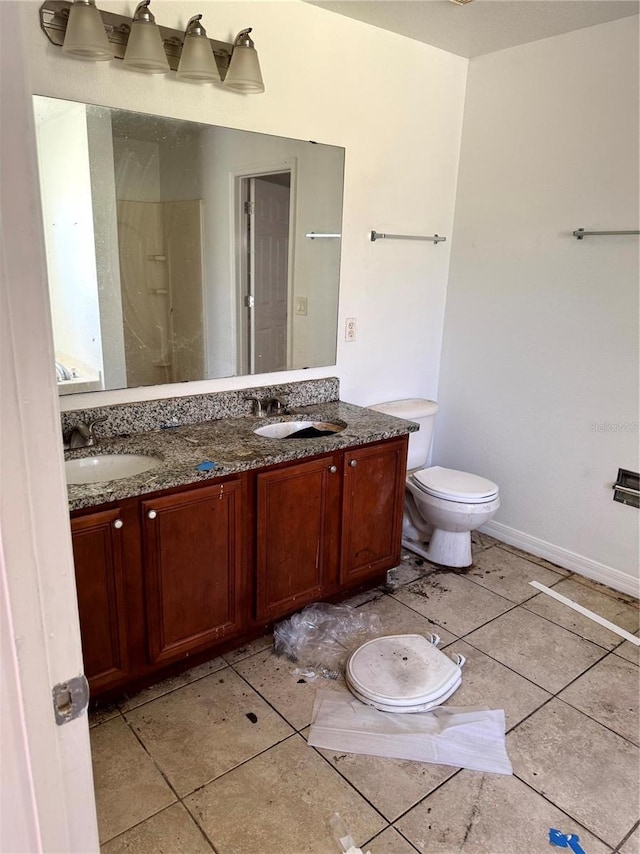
450 548
417 548
446 548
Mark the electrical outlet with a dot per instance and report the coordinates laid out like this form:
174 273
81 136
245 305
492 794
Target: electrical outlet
350 329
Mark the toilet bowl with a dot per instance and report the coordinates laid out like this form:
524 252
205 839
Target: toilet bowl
452 504
442 506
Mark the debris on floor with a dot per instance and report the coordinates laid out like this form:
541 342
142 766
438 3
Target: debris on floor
472 737
586 612
319 638
565 840
342 836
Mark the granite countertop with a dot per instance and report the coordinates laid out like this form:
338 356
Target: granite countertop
232 445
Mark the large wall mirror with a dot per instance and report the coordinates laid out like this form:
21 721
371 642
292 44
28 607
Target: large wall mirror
181 251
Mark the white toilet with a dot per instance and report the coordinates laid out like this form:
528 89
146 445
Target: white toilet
442 506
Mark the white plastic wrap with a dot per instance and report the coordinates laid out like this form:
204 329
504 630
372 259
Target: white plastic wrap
319 638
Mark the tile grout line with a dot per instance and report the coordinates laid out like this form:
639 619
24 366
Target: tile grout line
606 652
399 832
630 833
568 814
154 815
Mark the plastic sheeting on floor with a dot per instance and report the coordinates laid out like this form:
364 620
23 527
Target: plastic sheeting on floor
470 737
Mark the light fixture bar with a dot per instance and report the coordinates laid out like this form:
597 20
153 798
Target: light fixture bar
54 15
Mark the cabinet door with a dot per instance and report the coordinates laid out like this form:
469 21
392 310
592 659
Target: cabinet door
97 553
374 478
192 554
298 525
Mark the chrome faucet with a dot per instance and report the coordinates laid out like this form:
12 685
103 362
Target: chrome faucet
277 406
259 407
82 435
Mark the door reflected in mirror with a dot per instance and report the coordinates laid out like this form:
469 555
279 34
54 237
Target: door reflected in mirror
182 251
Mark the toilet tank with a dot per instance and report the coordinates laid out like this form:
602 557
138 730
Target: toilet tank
423 412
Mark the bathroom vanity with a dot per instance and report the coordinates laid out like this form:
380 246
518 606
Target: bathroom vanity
176 565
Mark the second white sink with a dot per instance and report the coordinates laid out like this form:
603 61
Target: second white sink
108 467
306 429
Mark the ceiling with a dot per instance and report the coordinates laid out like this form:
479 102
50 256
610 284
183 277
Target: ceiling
481 26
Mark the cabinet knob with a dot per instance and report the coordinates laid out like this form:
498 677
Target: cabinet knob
333 469
353 463
151 514
118 523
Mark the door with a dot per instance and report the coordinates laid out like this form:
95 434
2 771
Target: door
46 794
298 535
98 560
268 271
372 509
192 556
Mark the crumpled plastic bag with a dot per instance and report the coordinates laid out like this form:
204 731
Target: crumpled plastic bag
319 638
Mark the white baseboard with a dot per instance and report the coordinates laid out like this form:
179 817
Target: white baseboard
563 557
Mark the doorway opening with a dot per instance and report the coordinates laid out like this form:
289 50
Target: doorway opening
264 270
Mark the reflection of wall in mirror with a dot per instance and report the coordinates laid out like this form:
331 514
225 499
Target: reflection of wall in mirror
65 185
160 246
191 331
318 170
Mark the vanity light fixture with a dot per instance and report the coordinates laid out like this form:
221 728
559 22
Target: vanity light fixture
244 73
145 51
86 37
196 60
151 48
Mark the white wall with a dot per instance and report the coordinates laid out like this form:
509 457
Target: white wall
539 382
65 186
398 113
317 171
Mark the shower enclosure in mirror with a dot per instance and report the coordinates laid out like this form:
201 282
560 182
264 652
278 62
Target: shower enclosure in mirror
183 251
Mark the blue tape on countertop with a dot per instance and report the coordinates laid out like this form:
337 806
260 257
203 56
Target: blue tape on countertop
565 840
207 465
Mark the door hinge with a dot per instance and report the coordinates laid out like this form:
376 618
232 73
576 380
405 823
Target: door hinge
250 208
70 699
249 301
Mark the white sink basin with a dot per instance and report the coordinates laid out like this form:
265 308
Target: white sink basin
108 467
288 429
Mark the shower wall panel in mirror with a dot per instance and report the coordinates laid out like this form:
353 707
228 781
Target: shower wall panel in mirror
179 251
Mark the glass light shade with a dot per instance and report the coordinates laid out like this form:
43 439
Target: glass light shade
85 36
145 51
244 73
197 63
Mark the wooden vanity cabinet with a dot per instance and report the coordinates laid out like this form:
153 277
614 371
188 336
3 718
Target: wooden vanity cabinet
298 517
373 500
158 579
194 583
328 525
98 556
189 572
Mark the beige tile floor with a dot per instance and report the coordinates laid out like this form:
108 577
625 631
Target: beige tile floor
216 760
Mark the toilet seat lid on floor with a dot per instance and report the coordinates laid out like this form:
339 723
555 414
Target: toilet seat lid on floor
455 485
395 708
401 670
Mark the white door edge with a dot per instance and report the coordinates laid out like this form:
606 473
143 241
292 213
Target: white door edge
48 779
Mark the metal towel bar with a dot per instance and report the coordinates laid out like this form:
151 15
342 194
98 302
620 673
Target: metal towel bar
379 235
580 233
